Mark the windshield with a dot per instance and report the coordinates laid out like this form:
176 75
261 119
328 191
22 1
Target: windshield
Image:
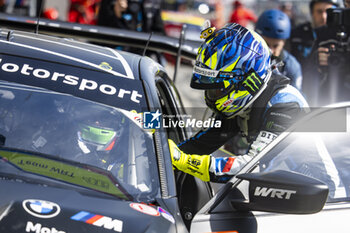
70 130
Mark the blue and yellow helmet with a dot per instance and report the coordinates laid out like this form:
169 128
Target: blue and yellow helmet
233 67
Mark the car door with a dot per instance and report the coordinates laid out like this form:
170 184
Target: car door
316 148
192 192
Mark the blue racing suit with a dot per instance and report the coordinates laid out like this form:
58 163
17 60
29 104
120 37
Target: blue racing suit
273 112
292 69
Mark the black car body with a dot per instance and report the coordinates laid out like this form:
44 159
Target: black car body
76 155
51 88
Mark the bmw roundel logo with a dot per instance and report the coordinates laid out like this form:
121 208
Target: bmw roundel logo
41 209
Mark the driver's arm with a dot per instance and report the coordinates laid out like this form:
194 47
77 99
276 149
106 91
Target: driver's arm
279 116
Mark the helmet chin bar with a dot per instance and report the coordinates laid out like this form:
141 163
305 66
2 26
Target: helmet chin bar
211 103
263 87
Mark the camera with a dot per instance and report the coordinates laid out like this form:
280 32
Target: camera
338 19
335 83
338 23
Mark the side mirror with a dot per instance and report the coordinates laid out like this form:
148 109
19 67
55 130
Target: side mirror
283 192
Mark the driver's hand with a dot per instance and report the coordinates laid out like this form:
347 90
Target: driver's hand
196 165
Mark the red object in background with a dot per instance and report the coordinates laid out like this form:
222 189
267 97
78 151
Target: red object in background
50 13
242 15
83 11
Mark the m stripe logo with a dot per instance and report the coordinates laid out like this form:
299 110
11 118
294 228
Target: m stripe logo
99 221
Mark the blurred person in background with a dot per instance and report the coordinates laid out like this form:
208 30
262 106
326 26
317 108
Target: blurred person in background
332 49
136 15
242 15
323 34
275 27
29 8
83 11
219 21
347 3
303 36
2 5
111 14
287 8
303 43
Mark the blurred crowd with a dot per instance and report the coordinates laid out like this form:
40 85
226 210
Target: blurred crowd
312 53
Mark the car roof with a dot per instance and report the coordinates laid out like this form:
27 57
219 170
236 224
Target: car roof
64 65
69 51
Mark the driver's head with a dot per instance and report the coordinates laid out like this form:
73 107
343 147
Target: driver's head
233 67
102 138
101 129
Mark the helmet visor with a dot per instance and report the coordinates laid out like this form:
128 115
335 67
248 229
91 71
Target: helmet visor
215 94
97 135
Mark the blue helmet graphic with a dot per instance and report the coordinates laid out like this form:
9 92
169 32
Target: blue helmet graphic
233 66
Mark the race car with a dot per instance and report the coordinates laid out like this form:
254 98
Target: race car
83 148
75 156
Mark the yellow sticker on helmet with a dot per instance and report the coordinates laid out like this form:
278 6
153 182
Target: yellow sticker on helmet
226 83
207 32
